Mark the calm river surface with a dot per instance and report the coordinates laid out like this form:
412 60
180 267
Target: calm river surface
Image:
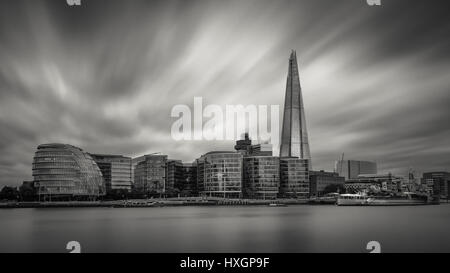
227 229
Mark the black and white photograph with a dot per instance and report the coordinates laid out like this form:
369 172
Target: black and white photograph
224 126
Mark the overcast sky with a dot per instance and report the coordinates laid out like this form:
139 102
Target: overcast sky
105 76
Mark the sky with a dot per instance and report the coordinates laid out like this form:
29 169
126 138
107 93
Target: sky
104 76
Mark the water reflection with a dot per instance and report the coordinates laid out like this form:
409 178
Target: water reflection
227 229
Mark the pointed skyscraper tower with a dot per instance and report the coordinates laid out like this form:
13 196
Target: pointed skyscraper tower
294 136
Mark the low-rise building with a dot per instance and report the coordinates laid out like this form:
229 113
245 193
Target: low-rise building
383 182
438 183
319 181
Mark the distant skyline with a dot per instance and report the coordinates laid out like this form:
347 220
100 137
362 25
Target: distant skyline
104 76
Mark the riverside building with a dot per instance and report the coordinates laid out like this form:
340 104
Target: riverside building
116 171
294 135
294 177
439 181
219 174
150 174
66 172
175 177
351 169
319 181
261 177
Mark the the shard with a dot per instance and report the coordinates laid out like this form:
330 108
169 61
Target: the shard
294 136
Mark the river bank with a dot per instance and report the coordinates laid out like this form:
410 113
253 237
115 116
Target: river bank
159 203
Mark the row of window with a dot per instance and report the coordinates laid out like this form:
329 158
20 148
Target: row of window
55 165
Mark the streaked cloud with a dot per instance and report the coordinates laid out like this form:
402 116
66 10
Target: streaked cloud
104 76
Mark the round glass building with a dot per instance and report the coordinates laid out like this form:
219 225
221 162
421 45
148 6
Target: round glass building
62 170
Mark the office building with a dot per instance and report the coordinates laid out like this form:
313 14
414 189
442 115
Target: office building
175 177
200 176
150 174
116 171
65 171
220 174
134 162
261 177
190 179
439 182
294 177
320 181
351 169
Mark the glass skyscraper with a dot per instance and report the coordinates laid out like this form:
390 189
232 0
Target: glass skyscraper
295 157
62 170
294 136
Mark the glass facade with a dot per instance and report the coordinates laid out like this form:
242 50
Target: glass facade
440 181
175 179
294 177
150 174
294 136
116 171
220 174
65 170
319 181
200 174
261 177
190 179
351 169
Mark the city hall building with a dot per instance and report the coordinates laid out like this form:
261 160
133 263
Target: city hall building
63 171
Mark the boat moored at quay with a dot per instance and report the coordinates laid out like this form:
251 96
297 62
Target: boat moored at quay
403 199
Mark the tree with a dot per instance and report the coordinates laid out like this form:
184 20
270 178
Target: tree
27 192
9 193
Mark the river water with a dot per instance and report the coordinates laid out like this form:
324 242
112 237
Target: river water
227 229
